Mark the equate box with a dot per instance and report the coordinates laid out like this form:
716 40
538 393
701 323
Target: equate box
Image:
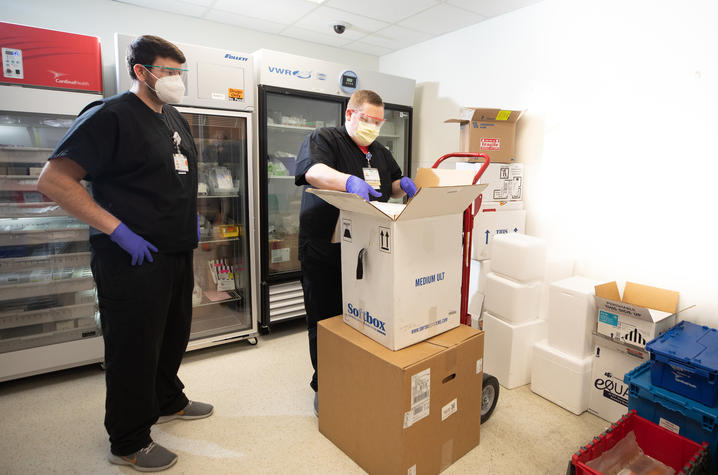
642 314
489 131
401 264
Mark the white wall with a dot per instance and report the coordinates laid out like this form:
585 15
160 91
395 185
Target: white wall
102 18
618 138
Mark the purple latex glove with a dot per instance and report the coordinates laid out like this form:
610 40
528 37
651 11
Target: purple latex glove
359 187
199 234
408 186
133 244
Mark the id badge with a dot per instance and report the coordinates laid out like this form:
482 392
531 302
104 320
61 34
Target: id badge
181 163
371 176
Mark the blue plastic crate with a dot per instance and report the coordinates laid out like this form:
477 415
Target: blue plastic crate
684 360
685 416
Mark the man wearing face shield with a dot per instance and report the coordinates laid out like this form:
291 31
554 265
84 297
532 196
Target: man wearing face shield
347 159
138 154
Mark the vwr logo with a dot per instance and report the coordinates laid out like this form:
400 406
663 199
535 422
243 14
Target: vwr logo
360 314
290 72
236 58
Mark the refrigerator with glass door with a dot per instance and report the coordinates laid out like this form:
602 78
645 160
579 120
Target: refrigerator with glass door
295 96
48 309
218 105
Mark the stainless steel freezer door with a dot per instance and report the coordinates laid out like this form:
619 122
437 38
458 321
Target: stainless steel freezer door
223 297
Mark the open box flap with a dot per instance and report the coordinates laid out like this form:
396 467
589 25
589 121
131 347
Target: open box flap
348 202
608 291
443 177
651 297
440 201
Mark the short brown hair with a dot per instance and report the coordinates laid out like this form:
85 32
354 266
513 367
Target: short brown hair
364 96
146 48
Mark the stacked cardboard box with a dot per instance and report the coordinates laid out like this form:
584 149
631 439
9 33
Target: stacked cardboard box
511 317
400 379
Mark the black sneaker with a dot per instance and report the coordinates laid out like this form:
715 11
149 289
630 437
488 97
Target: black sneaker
193 410
152 458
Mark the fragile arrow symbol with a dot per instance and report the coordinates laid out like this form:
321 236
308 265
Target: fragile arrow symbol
487 235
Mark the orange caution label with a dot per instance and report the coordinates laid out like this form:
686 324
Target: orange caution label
235 94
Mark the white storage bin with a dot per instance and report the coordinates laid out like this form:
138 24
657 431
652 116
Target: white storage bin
561 378
571 315
514 302
519 256
507 349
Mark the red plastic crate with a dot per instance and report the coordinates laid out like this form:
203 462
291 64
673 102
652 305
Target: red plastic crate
683 455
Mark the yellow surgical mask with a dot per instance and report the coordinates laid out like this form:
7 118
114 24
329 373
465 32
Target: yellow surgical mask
366 133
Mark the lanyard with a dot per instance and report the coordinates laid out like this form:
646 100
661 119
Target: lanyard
368 159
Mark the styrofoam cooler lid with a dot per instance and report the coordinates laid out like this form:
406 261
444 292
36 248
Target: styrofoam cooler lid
577 284
559 358
687 342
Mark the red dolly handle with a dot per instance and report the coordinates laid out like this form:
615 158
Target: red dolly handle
469 215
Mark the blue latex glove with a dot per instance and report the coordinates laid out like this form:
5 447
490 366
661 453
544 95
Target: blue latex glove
199 234
408 186
133 244
359 187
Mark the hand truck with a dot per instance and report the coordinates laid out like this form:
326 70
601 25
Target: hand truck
490 386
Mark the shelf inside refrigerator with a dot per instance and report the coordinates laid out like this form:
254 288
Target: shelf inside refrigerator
41 231
219 320
291 128
24 154
48 334
77 280
18 183
31 210
50 261
16 319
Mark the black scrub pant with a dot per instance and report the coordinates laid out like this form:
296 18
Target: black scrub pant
146 313
322 285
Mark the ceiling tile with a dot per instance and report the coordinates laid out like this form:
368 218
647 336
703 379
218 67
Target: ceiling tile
244 21
386 10
491 8
366 48
441 19
278 11
397 37
323 18
179 7
308 35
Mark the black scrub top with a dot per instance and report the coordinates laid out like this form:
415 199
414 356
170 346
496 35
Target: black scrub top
334 147
127 150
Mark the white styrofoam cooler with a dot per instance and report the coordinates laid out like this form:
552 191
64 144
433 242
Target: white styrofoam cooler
560 378
401 264
508 347
512 301
571 315
519 256
558 267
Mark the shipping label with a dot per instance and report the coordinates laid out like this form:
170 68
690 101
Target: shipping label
449 409
420 398
490 144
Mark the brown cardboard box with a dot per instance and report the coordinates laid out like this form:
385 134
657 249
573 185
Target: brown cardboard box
489 131
284 253
415 411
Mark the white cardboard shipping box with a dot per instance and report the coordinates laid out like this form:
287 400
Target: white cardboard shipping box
504 180
493 219
639 316
608 394
401 264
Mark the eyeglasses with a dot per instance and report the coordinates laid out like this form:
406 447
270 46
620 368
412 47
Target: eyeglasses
369 119
167 71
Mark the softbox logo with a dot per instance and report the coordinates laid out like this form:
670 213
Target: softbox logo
364 316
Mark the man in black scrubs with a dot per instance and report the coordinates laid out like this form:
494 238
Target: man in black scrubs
348 159
139 156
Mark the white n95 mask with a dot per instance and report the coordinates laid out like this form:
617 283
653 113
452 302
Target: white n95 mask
169 89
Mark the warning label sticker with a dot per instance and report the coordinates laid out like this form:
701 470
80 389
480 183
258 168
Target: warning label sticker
235 94
490 144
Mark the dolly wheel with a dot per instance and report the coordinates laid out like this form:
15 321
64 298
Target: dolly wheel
489 396
253 341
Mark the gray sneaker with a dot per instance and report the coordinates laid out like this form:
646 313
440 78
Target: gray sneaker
152 458
316 404
193 410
